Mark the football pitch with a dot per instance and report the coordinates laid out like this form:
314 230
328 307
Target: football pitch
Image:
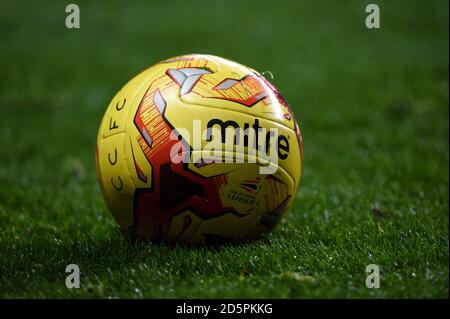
372 105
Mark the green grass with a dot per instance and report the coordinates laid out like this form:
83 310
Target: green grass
372 106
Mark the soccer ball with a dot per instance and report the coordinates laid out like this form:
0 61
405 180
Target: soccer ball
198 149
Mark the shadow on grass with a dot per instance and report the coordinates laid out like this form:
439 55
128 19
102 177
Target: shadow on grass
44 261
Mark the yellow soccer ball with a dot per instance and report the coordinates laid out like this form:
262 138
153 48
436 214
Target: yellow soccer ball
198 149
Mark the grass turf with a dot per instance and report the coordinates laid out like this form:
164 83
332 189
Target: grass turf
372 106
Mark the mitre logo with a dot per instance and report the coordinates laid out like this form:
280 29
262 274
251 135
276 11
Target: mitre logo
227 141
259 134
